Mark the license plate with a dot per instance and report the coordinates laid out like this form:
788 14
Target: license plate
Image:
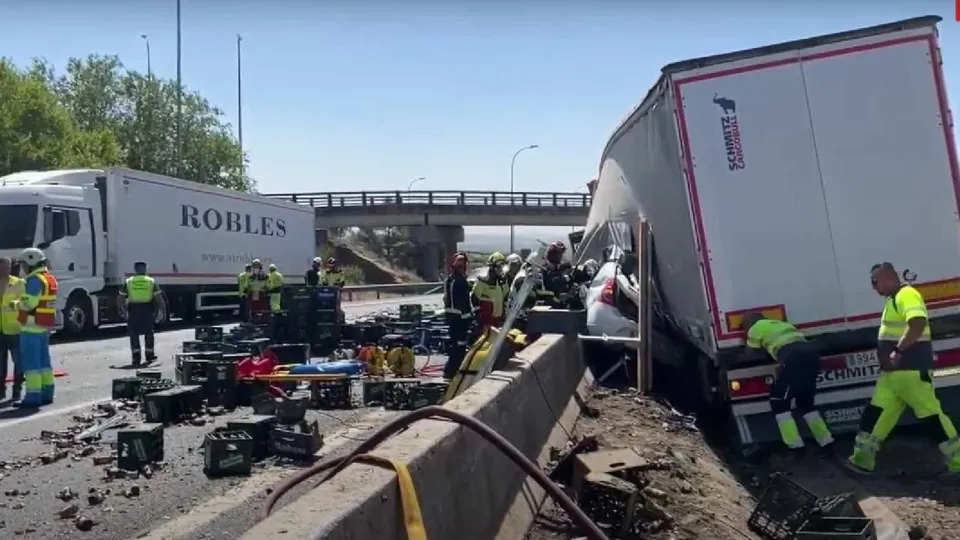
863 358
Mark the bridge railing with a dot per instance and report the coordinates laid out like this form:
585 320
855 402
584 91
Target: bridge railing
360 199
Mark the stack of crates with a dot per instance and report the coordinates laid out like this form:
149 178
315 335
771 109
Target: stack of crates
313 316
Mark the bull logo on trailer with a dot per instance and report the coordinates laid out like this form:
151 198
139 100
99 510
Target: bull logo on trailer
730 126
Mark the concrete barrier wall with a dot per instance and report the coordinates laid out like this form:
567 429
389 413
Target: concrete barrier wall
465 486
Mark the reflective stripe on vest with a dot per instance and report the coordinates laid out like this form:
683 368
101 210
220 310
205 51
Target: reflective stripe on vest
785 336
140 289
893 322
43 316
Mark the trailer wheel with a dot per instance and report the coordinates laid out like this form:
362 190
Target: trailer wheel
161 314
78 315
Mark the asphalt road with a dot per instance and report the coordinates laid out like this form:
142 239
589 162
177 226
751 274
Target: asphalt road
177 501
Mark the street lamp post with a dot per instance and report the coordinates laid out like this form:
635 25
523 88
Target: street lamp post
414 181
513 163
240 105
179 143
146 39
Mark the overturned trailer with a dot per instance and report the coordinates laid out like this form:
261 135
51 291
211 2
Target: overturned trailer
773 179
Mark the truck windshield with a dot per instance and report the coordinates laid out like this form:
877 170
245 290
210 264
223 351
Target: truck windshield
18 225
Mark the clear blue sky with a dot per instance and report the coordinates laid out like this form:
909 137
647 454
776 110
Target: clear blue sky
367 94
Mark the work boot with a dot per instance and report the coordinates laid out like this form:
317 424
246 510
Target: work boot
151 357
857 468
136 361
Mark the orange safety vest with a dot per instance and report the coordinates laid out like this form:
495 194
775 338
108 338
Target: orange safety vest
45 314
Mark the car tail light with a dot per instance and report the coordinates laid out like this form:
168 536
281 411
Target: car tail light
608 294
751 386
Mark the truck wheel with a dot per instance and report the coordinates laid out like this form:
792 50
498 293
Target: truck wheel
161 315
78 315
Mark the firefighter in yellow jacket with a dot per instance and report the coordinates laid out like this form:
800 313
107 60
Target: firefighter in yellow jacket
491 290
37 317
906 358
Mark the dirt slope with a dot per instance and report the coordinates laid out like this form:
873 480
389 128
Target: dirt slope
375 272
709 492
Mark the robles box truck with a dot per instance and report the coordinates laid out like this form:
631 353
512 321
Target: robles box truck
95 224
772 180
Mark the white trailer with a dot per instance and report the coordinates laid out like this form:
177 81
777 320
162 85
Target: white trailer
95 224
773 179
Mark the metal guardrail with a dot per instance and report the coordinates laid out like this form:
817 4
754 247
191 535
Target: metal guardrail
362 292
361 199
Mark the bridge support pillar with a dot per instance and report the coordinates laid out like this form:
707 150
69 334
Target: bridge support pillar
438 244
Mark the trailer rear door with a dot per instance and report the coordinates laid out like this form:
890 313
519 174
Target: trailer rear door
887 164
756 194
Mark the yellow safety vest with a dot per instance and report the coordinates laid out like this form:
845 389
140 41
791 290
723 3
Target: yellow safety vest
333 278
772 335
140 289
38 313
243 279
9 325
274 285
905 304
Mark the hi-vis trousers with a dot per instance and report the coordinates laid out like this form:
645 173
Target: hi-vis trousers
37 370
895 391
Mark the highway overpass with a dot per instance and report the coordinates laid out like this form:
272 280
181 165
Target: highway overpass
436 218
337 210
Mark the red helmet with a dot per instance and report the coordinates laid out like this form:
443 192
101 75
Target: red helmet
459 261
555 252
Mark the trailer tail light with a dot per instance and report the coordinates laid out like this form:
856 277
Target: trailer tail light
609 292
734 319
946 359
751 386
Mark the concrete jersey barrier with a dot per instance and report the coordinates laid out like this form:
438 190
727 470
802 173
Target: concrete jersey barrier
466 488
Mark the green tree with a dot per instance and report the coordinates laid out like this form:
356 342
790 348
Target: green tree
142 113
37 132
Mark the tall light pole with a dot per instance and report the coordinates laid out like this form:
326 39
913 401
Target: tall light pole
415 180
146 39
513 163
179 147
240 103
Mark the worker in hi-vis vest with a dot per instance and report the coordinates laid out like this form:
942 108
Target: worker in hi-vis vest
243 283
140 291
11 289
37 316
906 359
333 275
274 292
796 381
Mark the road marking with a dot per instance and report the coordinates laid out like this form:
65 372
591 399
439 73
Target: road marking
208 511
47 413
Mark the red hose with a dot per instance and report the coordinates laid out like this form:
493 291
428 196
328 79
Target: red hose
334 466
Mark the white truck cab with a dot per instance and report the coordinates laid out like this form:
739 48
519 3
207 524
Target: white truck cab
94 224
